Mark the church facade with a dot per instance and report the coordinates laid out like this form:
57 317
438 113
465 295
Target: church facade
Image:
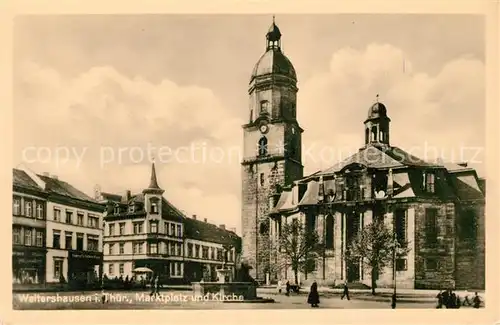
437 209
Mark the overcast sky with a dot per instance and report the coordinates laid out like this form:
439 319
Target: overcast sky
100 84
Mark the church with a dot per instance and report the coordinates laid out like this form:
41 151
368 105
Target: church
436 208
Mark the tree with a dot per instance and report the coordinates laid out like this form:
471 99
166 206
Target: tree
375 246
299 246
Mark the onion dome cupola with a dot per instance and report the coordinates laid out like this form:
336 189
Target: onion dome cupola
273 61
377 125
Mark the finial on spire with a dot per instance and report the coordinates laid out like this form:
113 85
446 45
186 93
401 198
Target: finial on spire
377 97
274 19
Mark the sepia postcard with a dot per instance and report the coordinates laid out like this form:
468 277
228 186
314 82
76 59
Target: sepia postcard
252 161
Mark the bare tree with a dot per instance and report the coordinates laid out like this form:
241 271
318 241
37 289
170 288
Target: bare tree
376 246
299 246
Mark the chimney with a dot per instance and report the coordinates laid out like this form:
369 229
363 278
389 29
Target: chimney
126 196
233 229
46 174
55 177
223 227
462 164
194 216
205 219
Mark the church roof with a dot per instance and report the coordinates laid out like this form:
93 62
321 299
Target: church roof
379 157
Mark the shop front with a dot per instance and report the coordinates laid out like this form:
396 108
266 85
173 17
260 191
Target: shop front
84 268
159 267
28 265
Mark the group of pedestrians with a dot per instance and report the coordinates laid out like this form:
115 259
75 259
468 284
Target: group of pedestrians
450 300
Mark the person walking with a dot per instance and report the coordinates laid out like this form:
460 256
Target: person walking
313 298
346 292
154 286
288 288
440 300
476 301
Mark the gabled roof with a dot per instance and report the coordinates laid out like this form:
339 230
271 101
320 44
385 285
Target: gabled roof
21 178
381 157
65 189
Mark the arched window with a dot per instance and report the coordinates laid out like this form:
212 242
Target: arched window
153 205
263 146
329 232
374 133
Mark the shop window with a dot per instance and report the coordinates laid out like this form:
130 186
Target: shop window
58 268
56 239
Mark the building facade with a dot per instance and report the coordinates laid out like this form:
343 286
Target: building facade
436 208
29 206
272 147
72 224
145 230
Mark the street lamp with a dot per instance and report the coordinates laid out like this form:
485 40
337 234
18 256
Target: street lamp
395 247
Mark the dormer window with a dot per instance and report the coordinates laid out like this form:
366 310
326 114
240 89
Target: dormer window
429 180
131 208
116 209
264 107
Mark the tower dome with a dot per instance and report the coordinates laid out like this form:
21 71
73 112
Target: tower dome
377 110
273 61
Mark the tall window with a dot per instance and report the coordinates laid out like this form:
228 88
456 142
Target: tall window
27 237
171 246
79 219
16 235
154 205
138 248
205 252
121 268
111 249
122 228
212 253
79 242
111 229
58 266
400 226
28 209
153 225
431 230
197 251
16 207
57 214
122 248
153 248
172 230
429 182
69 217
39 238
93 221
138 228
39 211
190 250
68 240
56 239
111 269
263 146
179 231
329 232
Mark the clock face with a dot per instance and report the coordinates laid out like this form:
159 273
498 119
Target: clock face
264 128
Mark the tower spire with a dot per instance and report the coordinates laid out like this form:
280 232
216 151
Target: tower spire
153 184
273 36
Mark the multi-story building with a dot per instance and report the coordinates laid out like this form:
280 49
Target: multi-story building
437 208
146 230
29 206
73 229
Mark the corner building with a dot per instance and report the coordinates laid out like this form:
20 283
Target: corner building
272 147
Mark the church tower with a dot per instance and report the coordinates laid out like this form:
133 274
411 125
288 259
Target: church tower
377 125
272 148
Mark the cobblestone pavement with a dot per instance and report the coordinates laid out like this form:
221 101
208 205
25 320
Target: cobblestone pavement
184 300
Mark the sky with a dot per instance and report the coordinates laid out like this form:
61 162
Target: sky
96 97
